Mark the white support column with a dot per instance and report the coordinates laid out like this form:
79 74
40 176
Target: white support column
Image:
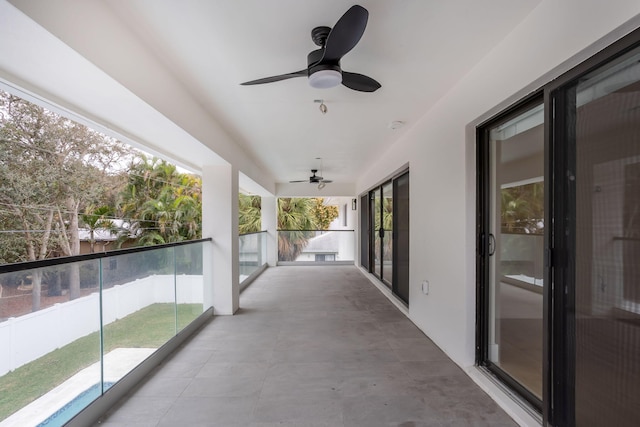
268 207
220 222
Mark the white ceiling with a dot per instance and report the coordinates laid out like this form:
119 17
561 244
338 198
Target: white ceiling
417 50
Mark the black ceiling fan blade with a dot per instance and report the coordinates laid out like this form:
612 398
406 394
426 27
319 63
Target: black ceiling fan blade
346 33
301 73
326 181
359 82
301 180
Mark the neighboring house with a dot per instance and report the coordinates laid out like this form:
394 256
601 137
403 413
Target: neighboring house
324 247
105 240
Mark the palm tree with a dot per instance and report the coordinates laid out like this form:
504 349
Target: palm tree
161 204
97 218
249 214
295 218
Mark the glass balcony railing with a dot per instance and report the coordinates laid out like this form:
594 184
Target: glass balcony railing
253 253
316 245
70 329
521 257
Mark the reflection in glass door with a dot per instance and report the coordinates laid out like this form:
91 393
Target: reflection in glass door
376 232
602 130
514 236
387 233
365 232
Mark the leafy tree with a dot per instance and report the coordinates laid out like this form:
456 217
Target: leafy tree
51 168
323 214
161 204
250 214
522 209
296 216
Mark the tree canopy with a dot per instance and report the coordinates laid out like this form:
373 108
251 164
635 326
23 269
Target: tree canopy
522 209
58 177
298 218
160 204
249 214
51 168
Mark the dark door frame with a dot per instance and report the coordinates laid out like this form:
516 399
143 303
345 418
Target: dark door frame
483 245
558 403
369 194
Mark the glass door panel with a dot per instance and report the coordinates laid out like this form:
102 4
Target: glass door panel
516 243
376 224
401 237
387 233
603 126
365 227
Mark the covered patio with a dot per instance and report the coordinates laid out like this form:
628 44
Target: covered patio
310 346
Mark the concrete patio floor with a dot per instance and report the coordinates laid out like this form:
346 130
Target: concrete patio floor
310 346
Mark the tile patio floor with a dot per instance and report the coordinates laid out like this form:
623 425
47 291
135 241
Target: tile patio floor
310 347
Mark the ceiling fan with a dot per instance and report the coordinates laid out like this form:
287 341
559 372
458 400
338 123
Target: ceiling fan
315 179
323 65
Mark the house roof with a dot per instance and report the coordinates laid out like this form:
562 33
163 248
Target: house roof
325 243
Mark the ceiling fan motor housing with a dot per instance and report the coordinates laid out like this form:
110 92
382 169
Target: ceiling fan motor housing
314 178
314 64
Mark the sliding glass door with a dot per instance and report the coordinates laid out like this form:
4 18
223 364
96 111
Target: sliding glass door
512 231
365 232
381 232
598 135
401 237
377 232
558 244
387 229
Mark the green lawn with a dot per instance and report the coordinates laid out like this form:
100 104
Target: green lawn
147 328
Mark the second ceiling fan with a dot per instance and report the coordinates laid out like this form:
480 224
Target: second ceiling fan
314 179
323 65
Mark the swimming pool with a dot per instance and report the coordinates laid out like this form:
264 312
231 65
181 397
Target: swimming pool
77 404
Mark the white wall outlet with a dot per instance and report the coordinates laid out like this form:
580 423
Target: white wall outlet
425 287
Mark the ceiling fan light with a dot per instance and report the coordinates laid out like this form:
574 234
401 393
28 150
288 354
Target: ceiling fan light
321 185
325 79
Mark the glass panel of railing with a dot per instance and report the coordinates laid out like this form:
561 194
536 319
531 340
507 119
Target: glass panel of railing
252 255
189 283
138 308
316 245
521 258
50 341
263 247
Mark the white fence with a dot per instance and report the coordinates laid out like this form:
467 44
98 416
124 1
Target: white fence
26 338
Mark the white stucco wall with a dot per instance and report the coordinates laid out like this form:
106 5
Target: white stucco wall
440 149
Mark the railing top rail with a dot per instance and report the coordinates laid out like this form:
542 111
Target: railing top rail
316 230
522 233
253 232
29 265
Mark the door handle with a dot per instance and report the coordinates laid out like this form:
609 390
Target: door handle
492 244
